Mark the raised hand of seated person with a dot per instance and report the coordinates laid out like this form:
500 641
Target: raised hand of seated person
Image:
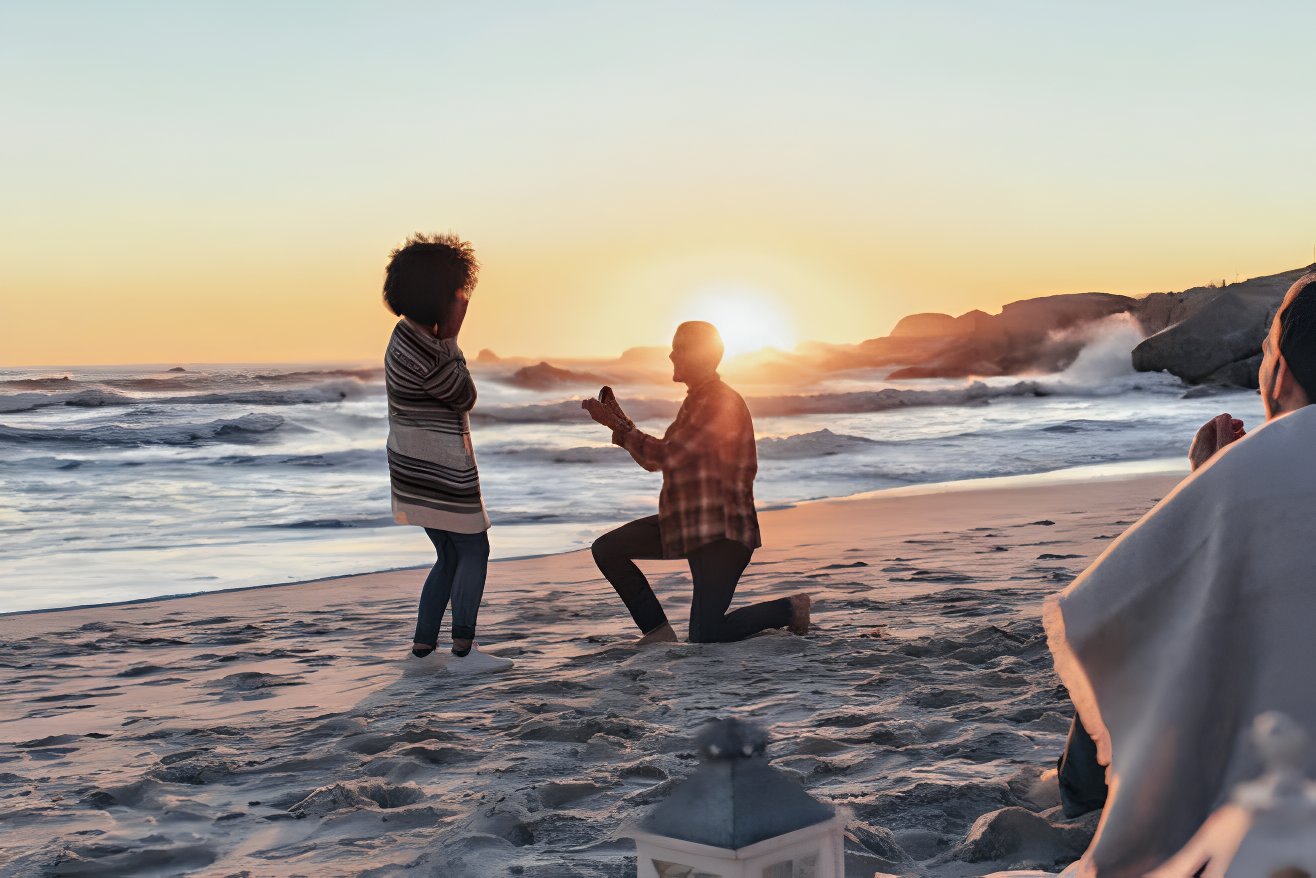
1214 435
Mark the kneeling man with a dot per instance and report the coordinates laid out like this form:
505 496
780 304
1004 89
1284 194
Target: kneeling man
706 507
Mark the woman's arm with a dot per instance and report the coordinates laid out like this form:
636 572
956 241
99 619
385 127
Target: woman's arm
450 382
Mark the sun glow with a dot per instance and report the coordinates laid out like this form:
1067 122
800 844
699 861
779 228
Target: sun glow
748 319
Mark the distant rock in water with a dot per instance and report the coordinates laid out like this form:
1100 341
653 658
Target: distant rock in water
487 356
178 369
545 376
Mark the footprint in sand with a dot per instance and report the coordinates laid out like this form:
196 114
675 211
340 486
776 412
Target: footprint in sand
558 794
356 795
251 685
934 576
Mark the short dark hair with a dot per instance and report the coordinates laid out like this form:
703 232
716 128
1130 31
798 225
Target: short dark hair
1297 333
707 334
426 274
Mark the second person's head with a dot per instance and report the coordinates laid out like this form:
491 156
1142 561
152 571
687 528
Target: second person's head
429 279
1288 365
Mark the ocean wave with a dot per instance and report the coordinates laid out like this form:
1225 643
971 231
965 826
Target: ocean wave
41 461
1080 425
855 402
570 410
1014 435
54 382
189 381
506 517
545 454
365 374
326 460
973 394
195 380
323 460
866 401
820 443
247 428
332 523
30 401
330 391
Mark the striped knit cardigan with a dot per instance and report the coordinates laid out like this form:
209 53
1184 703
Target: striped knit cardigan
430 459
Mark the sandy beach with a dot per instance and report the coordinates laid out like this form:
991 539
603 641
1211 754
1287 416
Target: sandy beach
270 732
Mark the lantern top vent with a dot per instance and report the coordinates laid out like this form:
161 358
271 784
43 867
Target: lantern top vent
735 798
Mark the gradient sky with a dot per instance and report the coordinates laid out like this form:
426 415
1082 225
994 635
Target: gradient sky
222 182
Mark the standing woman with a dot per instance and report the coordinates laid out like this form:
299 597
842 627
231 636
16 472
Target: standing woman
431 463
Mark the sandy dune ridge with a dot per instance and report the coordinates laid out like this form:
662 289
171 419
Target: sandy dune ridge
269 732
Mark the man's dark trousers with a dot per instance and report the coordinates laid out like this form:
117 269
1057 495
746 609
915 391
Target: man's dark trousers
715 568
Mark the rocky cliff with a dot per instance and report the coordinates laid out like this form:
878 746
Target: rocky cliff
1211 335
1205 335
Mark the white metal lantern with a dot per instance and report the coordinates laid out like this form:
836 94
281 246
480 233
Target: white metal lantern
738 817
1268 830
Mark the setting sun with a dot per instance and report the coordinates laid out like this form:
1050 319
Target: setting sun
748 319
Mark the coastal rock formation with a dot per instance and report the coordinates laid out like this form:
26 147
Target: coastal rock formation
928 325
1211 335
1222 331
1204 335
1027 336
1207 335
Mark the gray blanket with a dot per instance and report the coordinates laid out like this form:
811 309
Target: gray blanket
1198 618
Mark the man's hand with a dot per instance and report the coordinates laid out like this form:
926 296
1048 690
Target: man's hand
604 415
609 399
1214 435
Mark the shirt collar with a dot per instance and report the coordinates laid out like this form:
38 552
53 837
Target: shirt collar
694 388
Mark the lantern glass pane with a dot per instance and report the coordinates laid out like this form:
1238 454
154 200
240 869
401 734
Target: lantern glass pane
680 870
800 867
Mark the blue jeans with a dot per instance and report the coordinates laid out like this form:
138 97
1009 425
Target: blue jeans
458 575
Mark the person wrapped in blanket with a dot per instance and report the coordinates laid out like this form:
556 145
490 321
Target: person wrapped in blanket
1196 620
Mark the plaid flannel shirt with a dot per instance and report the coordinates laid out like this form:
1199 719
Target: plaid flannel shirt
708 461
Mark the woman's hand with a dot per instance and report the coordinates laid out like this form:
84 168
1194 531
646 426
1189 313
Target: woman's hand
453 325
